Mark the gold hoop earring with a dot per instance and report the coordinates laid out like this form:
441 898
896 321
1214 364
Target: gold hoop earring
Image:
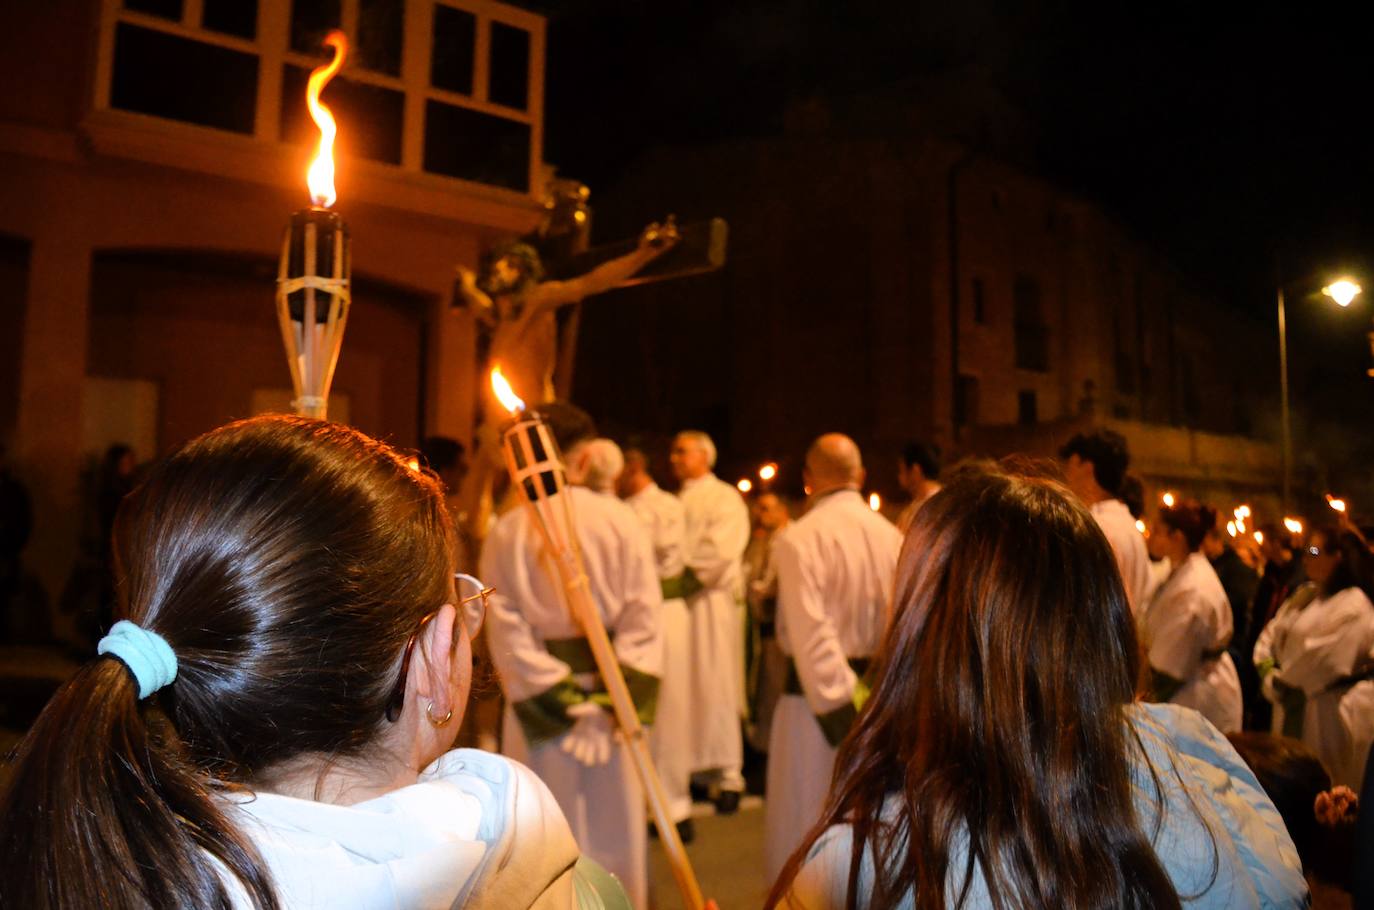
429 712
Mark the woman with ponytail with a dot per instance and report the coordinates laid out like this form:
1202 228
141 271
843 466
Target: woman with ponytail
1002 760
1188 623
268 725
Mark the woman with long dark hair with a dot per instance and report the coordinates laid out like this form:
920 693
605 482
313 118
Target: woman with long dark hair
268 724
1002 759
1316 657
1188 623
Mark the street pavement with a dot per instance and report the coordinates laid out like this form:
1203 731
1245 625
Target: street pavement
727 856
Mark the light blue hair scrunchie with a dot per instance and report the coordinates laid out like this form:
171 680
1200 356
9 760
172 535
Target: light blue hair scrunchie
146 654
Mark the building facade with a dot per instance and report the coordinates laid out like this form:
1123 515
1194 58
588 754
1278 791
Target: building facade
152 152
908 289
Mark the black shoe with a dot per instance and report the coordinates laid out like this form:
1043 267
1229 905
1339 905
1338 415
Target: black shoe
728 802
686 831
700 793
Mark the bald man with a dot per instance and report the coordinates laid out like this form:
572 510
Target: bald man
717 530
836 567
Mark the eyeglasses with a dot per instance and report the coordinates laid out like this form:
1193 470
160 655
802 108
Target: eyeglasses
1314 551
472 610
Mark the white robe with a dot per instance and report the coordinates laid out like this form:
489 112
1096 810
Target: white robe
604 805
476 831
1189 617
1315 648
1128 545
836 569
717 532
671 737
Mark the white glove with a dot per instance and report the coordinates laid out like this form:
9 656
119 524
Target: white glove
589 740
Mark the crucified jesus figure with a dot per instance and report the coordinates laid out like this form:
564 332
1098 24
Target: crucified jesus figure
519 311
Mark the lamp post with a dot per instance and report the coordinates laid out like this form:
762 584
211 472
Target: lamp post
1342 291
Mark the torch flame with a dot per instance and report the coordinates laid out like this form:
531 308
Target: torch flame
320 177
875 502
1293 525
500 386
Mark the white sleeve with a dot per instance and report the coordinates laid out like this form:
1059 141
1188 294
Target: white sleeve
638 628
811 636
1177 638
525 666
721 542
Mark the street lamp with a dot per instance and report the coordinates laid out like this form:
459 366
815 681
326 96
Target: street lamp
1343 291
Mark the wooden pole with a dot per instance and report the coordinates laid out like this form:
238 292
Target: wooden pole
536 470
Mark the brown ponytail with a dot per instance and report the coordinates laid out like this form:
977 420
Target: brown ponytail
285 561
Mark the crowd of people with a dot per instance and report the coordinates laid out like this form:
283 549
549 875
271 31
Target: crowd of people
1010 697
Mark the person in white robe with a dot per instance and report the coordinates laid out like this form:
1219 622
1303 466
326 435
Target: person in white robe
1188 623
1095 466
717 531
836 567
1316 662
671 737
558 717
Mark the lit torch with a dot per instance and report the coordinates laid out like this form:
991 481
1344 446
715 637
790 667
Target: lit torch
1337 505
313 293
537 471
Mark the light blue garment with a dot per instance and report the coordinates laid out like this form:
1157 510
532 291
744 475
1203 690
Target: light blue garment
1221 839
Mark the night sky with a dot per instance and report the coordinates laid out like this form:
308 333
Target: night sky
1236 144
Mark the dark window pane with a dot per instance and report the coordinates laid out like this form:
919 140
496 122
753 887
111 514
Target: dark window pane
167 9
369 117
1027 412
510 66
455 40
476 146
232 17
311 20
181 79
380 31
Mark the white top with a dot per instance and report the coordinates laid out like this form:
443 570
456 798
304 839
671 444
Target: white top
1128 544
1321 643
1186 630
528 607
476 831
663 517
1210 799
836 567
716 534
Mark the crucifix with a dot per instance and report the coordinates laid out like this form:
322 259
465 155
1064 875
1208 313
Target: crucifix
527 286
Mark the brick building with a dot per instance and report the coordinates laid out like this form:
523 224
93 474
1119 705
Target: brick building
150 154
903 288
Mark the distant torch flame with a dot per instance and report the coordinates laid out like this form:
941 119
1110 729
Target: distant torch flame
768 472
1333 502
1140 526
1168 500
1231 528
320 177
504 393
1293 525
745 485
875 502
1259 537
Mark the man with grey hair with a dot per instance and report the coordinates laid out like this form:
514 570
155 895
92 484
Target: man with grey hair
599 463
717 530
556 719
836 568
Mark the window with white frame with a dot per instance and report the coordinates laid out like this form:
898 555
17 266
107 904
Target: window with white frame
448 87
